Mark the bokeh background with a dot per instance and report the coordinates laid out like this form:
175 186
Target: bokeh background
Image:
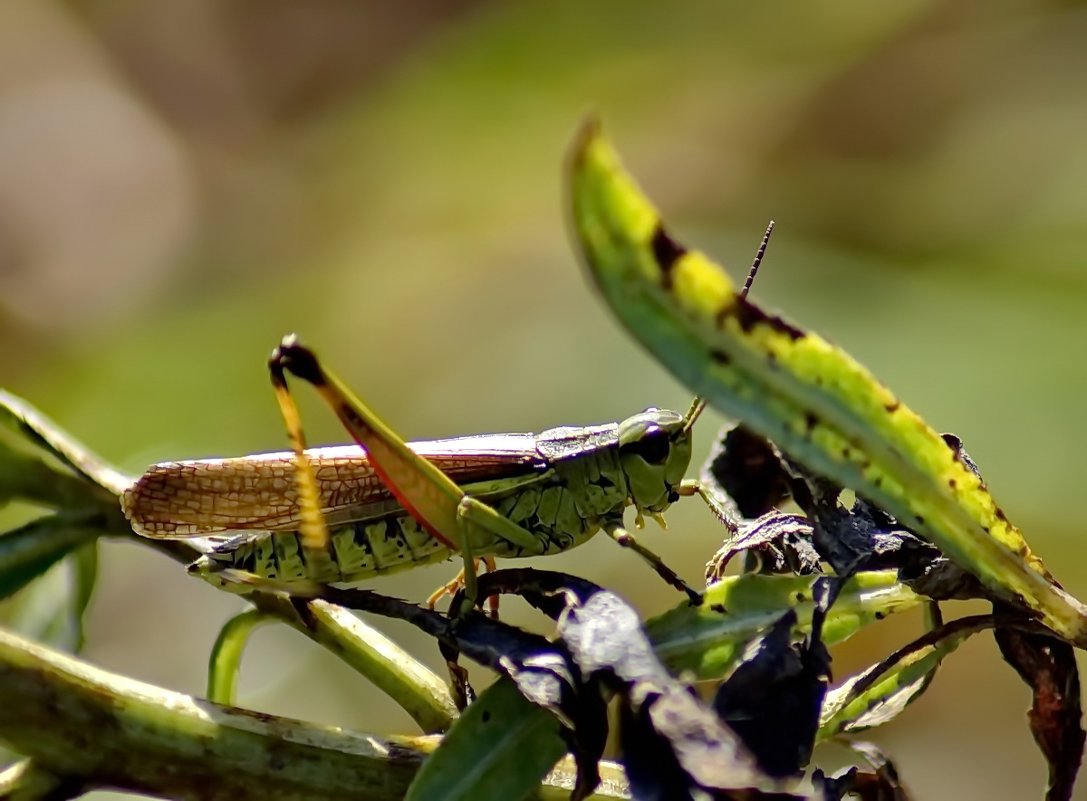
183 183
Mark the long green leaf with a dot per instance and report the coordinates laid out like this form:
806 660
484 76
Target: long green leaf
810 398
707 640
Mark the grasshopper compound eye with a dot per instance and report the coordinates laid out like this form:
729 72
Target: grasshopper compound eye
653 446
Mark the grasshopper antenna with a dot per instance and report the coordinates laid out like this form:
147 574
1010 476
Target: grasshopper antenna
758 259
698 404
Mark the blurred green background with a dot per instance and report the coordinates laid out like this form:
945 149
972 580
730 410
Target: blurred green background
183 183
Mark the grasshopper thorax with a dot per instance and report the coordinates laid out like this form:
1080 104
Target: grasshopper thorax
654 452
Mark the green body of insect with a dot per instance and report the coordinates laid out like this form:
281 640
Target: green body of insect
561 486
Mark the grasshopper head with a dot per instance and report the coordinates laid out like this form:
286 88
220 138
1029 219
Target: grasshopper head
654 452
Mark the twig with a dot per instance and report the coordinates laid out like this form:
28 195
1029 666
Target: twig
75 720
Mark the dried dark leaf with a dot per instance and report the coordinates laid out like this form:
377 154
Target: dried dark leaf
781 542
542 671
880 782
607 643
748 469
747 475
651 765
672 744
1048 666
604 634
941 579
773 698
864 537
606 639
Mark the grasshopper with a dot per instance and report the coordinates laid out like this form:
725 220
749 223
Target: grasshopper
343 514
526 495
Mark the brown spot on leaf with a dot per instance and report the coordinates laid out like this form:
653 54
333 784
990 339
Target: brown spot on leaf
748 315
667 252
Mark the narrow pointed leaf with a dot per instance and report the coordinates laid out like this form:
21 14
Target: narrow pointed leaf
810 398
31 550
26 429
501 747
708 639
879 694
50 609
1049 669
226 655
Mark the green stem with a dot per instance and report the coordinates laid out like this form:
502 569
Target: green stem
75 720
226 654
393 670
418 690
26 781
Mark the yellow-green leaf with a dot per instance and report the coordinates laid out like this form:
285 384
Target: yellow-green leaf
811 398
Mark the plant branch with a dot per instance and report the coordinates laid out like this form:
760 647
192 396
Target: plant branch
75 720
26 781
